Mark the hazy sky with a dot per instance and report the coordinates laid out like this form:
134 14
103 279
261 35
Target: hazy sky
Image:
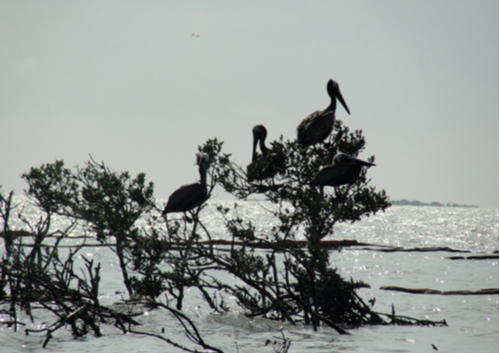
126 82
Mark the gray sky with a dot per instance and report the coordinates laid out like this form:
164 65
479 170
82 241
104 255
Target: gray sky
126 82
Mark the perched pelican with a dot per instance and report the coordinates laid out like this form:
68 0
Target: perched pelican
190 196
317 126
343 170
260 168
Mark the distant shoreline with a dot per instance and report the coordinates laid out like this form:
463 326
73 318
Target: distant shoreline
405 202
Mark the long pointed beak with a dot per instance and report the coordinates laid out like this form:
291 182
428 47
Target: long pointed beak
368 164
359 161
342 101
255 140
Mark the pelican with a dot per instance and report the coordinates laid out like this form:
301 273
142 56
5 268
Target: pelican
317 126
260 168
343 170
190 196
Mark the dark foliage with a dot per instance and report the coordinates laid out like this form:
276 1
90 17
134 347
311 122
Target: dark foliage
175 252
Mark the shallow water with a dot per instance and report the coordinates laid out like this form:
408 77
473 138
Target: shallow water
472 320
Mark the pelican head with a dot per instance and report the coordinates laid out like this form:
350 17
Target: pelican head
259 134
205 158
203 163
339 159
333 90
260 131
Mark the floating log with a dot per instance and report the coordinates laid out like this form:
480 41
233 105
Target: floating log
17 233
361 285
434 291
285 243
254 244
474 257
45 296
24 233
427 249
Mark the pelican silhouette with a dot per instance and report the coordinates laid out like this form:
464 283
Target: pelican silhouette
343 170
190 196
318 125
261 167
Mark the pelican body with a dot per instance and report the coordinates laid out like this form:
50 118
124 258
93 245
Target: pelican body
261 166
343 170
190 196
317 126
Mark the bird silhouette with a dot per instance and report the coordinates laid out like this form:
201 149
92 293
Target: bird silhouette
343 170
190 196
262 166
318 125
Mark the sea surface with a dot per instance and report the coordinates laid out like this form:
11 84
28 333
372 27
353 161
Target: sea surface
472 320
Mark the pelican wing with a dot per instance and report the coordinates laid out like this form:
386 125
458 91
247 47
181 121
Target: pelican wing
252 171
330 175
337 175
186 198
262 168
316 127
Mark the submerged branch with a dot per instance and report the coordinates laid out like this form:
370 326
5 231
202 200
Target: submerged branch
435 291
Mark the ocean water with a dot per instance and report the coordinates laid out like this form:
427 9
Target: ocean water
473 323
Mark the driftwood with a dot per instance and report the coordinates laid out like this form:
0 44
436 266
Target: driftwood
434 291
474 257
286 244
427 249
253 244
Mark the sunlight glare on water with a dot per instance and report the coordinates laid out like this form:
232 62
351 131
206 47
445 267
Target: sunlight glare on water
472 320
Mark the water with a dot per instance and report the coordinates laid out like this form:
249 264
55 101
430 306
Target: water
472 319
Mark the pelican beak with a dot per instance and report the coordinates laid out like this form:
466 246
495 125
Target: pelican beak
349 159
365 163
255 141
342 101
